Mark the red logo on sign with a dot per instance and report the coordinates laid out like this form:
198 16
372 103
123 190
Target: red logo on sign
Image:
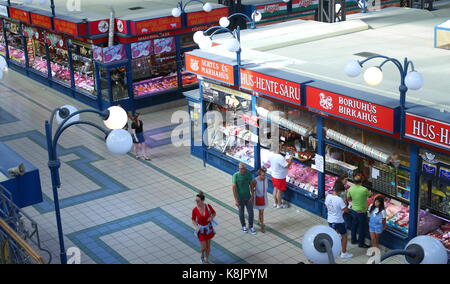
208 68
41 20
353 109
155 25
427 130
272 8
270 86
20 15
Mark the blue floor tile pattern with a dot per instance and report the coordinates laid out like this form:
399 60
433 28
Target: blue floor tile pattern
88 240
153 143
108 185
6 117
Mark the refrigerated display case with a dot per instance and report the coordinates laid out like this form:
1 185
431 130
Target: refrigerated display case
231 136
154 66
83 66
16 46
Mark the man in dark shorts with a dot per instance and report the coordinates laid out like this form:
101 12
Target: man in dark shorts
336 207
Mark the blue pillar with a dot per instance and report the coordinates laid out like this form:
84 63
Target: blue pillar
71 69
256 131
415 163
202 113
179 63
130 78
49 65
99 86
321 151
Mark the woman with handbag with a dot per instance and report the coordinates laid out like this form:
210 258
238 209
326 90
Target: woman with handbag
260 185
203 219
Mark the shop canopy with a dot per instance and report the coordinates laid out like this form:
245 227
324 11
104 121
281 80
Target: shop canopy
321 50
100 9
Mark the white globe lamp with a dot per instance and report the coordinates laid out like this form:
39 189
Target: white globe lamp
65 112
353 68
119 141
314 246
207 7
428 251
176 12
232 45
206 43
373 76
198 37
117 118
414 80
224 22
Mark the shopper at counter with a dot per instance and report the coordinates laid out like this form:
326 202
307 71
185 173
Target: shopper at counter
336 208
242 182
279 166
260 186
358 195
342 186
377 220
203 218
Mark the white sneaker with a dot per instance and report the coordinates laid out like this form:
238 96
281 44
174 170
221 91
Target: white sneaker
346 255
284 206
252 231
278 207
275 205
244 229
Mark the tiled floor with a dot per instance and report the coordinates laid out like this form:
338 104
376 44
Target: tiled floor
117 209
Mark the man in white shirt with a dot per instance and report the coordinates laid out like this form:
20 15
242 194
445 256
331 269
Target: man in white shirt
279 167
336 207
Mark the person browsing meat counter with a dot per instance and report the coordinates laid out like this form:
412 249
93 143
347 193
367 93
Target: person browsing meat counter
279 166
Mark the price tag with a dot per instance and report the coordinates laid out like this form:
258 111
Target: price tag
320 163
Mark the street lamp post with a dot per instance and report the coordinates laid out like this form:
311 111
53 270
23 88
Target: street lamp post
234 44
374 75
180 10
321 245
118 141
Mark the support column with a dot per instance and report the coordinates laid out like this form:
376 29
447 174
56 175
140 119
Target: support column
321 151
415 164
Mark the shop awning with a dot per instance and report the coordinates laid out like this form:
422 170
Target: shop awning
358 146
274 118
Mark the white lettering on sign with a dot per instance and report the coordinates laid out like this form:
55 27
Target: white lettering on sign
271 87
362 110
428 131
214 69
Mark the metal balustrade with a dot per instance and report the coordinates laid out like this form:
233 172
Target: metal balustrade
19 234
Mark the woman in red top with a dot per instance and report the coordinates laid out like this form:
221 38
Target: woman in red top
202 218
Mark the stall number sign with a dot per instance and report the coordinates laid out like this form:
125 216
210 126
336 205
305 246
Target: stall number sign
352 109
272 9
211 69
20 15
155 25
298 4
271 86
201 17
427 130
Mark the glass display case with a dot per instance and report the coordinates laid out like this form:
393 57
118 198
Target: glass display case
83 66
290 127
2 41
154 66
227 131
196 124
15 44
59 58
37 56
